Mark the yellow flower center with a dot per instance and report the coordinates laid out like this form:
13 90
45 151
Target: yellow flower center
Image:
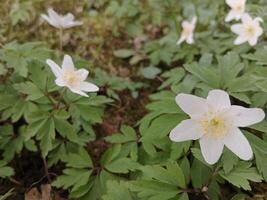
187 32
238 7
250 30
71 78
214 125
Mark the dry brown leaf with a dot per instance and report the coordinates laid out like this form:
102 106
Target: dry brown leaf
34 193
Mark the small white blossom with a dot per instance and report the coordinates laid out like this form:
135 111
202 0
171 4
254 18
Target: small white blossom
237 9
188 31
214 121
61 22
248 31
73 79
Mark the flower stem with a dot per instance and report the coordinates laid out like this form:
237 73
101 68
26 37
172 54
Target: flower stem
214 173
60 39
60 97
46 170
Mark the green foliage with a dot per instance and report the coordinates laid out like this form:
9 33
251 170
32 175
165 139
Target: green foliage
160 183
5 171
240 175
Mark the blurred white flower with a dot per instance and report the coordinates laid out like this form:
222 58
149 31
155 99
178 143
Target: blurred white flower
237 9
214 121
188 31
70 77
248 31
61 22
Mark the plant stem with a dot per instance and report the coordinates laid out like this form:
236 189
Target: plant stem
60 97
60 39
214 173
46 170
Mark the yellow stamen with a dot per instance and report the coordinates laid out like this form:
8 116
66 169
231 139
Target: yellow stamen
71 78
214 125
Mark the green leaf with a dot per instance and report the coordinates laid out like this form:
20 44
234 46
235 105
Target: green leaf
154 190
150 72
123 53
241 174
81 159
228 160
198 155
172 174
72 178
46 136
117 191
31 90
5 171
122 165
199 173
128 135
66 130
239 197
260 150
206 74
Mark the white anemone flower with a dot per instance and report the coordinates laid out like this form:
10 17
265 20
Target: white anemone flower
71 78
214 121
248 31
237 9
61 22
188 31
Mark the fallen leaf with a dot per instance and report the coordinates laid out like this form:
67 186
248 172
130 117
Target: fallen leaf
34 193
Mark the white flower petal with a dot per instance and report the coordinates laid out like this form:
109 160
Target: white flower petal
238 144
246 18
194 20
218 99
186 24
211 149
51 21
60 82
259 31
258 19
54 16
190 39
242 117
231 3
77 91
181 40
240 39
54 67
82 73
68 17
230 16
186 130
192 105
253 41
237 28
87 87
72 24
67 64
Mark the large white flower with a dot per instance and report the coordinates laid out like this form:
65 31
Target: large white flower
70 77
61 22
214 121
237 9
188 31
248 31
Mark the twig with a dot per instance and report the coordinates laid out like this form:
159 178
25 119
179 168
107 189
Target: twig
13 180
46 170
